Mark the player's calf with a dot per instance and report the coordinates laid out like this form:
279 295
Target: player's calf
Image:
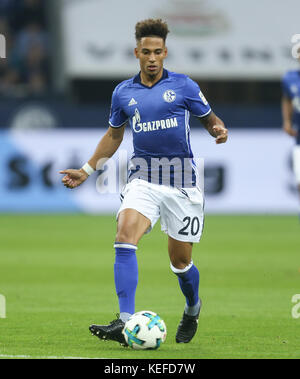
188 279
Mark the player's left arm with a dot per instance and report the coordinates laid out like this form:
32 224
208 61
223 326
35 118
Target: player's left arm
215 126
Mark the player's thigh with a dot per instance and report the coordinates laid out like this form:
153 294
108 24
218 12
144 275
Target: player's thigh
180 253
139 210
131 226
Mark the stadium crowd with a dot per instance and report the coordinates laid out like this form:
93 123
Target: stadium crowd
26 68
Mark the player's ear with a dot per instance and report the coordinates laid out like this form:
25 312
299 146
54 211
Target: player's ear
136 53
166 52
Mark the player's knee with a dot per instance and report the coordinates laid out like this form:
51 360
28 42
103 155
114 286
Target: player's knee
180 263
126 236
180 256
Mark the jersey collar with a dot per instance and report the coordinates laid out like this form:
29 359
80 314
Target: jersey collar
137 78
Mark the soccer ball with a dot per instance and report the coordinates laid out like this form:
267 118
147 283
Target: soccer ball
145 330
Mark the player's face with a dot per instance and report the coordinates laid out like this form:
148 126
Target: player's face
151 52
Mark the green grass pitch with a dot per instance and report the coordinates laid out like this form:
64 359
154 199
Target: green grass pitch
56 273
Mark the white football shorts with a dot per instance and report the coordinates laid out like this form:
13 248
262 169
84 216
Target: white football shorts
180 210
296 163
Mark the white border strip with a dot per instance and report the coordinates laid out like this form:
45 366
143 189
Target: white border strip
42 357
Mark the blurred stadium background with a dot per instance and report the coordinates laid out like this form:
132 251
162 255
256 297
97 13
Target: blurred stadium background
63 59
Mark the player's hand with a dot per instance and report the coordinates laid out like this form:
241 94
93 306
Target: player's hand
220 133
73 178
288 128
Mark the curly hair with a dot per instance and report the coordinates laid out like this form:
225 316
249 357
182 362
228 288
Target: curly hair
151 28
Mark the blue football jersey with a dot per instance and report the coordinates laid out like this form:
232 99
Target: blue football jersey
291 89
159 118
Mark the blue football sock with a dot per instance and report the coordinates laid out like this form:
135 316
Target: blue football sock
188 279
126 277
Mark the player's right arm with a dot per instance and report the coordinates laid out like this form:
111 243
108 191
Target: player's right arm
105 149
107 146
287 116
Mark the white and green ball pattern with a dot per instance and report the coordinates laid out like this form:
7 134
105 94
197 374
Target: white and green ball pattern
145 330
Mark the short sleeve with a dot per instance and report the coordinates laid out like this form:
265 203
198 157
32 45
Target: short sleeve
194 99
285 87
117 116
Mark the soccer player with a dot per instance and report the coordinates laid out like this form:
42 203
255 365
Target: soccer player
157 104
291 115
